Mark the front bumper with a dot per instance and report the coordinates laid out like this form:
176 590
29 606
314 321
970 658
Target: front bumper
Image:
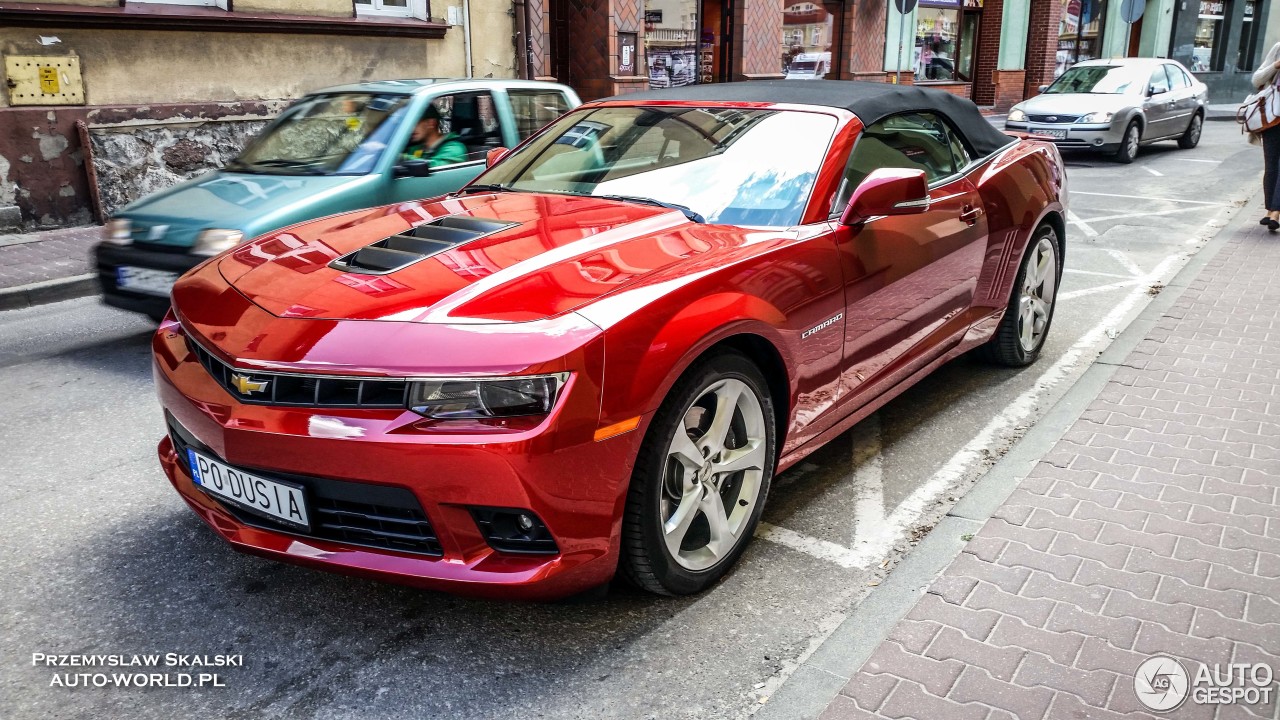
1074 135
556 470
109 258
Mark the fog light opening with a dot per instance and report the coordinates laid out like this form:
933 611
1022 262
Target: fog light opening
514 530
1097 141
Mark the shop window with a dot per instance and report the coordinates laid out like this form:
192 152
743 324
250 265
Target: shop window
806 40
946 39
671 42
1079 32
392 8
1248 37
1208 37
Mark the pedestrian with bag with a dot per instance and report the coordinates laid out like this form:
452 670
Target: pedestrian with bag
1263 124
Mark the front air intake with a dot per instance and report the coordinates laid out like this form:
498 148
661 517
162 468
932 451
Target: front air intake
419 243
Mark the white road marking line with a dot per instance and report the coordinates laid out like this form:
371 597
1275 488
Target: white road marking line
1073 271
1213 162
1126 262
1074 219
1155 199
885 534
1149 213
1153 171
1099 289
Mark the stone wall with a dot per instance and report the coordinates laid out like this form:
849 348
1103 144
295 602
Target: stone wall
136 160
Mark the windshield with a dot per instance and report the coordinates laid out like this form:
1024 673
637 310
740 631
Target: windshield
336 134
1103 79
744 167
803 65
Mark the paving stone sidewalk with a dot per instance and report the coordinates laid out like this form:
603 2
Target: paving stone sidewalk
1153 527
48 255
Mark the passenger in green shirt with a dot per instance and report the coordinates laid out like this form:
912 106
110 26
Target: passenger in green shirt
428 143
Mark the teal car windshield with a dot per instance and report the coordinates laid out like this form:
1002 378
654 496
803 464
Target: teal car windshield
1103 79
334 134
732 166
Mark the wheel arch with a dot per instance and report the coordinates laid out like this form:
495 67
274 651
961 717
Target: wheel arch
765 355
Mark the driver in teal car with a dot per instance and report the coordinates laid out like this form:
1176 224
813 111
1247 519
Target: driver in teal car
428 143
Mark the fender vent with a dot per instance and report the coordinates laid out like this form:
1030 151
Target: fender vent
419 243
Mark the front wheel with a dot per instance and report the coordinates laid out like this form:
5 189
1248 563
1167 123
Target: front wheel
701 478
1191 137
1026 320
1128 149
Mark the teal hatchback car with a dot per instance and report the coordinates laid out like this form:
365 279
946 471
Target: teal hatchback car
335 150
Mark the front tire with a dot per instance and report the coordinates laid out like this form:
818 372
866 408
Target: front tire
1128 149
1191 137
1025 325
701 478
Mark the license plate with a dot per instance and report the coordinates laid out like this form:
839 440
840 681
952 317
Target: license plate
271 498
145 280
1055 134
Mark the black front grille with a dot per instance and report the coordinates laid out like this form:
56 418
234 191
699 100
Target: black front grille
419 243
1053 118
352 513
269 388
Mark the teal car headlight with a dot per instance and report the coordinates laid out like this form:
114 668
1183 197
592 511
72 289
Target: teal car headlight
212 242
118 231
1097 117
498 397
1016 115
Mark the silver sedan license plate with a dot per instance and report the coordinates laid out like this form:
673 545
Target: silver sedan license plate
145 280
1054 133
279 501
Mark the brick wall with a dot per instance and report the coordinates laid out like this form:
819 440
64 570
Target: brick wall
864 39
758 24
984 71
1042 43
1010 88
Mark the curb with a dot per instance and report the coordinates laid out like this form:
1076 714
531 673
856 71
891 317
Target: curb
48 291
819 679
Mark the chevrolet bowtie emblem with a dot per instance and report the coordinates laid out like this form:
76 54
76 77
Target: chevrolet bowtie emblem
247 385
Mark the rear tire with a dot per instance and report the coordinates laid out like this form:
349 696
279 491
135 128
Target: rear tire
1128 149
1191 137
701 478
1025 325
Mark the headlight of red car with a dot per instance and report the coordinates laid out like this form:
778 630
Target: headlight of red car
457 398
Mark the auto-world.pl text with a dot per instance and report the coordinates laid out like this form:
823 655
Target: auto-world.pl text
137 670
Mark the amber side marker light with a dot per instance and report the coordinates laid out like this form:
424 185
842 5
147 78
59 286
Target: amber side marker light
615 429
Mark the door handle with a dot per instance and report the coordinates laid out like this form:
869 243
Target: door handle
970 214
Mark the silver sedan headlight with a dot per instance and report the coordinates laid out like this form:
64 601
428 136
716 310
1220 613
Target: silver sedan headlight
212 242
118 231
496 397
1016 115
1095 118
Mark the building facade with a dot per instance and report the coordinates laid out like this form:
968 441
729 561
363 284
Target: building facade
108 100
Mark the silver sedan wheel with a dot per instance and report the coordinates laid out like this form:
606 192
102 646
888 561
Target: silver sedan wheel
711 482
1131 139
1039 288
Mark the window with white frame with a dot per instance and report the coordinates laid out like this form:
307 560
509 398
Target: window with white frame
392 8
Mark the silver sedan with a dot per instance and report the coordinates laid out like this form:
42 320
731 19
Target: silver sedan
1115 106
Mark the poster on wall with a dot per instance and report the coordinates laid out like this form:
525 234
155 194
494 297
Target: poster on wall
671 44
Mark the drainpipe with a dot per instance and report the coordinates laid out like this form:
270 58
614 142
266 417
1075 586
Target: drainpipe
466 33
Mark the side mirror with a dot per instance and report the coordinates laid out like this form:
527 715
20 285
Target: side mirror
494 155
412 168
887 191
1152 90
1042 88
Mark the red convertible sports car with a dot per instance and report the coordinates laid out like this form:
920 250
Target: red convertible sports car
595 359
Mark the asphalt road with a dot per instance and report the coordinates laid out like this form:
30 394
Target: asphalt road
100 556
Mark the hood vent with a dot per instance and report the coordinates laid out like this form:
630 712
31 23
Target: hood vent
400 251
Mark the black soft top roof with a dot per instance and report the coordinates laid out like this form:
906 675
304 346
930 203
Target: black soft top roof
870 101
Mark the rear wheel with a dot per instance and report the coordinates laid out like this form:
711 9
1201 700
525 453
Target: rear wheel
701 478
1191 137
1128 149
1026 320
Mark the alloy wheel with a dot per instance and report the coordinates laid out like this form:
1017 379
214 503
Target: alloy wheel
1131 142
712 477
1039 288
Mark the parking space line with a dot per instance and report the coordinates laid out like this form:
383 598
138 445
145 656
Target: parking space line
1073 271
1199 160
1074 219
1098 289
1153 171
811 546
1150 213
1155 199
1126 262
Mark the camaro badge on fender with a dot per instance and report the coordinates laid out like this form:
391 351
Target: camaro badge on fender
247 385
825 324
